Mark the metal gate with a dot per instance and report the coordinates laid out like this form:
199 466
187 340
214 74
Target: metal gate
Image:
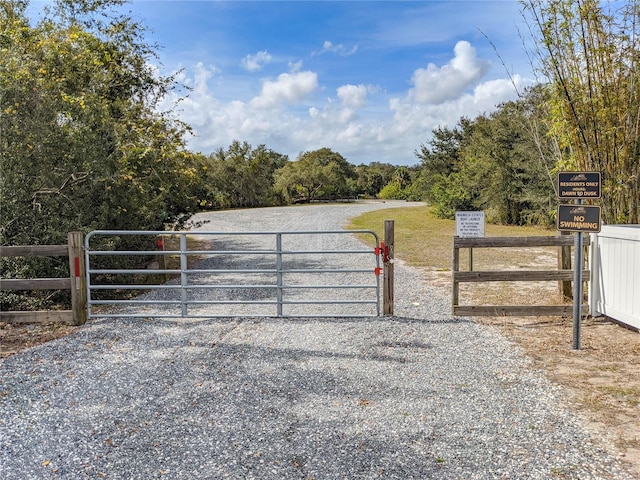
199 274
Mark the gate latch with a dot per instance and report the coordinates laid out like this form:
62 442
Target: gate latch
383 250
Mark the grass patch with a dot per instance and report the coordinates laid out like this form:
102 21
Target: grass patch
630 395
426 242
423 240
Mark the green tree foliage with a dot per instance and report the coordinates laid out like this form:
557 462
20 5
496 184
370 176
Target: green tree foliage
501 165
373 177
405 184
441 161
491 163
82 144
402 176
441 156
242 177
318 174
392 191
451 194
590 52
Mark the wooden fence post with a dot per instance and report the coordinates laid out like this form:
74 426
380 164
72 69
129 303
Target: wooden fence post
565 289
78 278
455 267
387 278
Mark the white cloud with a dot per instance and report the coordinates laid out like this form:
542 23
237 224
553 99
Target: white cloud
500 90
361 122
434 85
289 88
416 120
354 96
340 49
253 63
202 76
295 66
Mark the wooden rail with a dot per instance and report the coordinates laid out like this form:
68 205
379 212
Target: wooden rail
511 276
76 282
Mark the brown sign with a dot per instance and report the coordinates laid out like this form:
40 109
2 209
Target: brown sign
578 218
579 185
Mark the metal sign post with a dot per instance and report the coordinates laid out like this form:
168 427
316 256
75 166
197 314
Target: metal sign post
578 218
577 287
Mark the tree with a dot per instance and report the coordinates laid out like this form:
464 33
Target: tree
493 163
372 177
441 159
242 177
82 143
317 174
402 177
590 54
502 170
442 154
392 191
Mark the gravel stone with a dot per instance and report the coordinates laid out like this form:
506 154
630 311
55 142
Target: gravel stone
418 395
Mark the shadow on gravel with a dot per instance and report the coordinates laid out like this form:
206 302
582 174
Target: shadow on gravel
190 323
303 355
277 400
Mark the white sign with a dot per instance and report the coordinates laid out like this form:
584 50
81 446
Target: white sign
470 224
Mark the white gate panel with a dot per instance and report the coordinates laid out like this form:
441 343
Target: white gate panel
615 285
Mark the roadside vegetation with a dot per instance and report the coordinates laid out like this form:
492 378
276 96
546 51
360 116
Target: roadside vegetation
424 240
85 146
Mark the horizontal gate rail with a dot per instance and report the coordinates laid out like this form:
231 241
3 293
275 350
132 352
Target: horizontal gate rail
284 279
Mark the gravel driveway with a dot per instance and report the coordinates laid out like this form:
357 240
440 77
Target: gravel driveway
420 395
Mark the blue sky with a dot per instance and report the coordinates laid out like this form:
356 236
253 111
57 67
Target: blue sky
369 80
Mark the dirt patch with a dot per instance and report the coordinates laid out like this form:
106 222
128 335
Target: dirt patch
17 337
601 380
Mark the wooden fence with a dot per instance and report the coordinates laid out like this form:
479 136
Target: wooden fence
562 275
76 282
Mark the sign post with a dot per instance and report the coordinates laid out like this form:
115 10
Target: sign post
578 218
470 224
577 289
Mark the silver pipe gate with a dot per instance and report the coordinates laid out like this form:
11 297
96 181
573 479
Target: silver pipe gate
221 274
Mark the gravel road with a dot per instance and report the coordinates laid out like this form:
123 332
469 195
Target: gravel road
419 395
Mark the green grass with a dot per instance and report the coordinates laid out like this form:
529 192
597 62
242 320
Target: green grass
423 240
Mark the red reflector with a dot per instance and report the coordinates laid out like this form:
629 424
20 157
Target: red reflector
160 243
77 266
378 271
